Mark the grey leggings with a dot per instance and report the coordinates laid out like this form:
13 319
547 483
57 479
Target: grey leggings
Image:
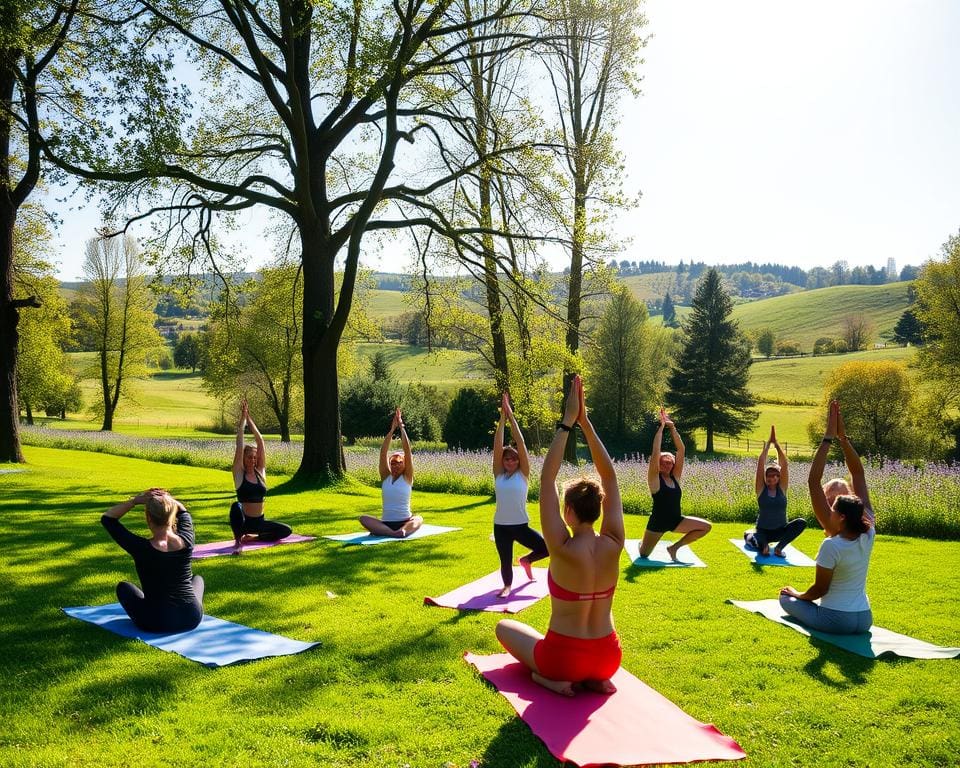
827 619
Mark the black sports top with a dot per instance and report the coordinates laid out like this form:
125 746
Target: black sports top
773 509
666 501
165 577
248 492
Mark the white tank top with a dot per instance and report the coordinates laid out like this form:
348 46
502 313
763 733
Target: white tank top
511 495
396 499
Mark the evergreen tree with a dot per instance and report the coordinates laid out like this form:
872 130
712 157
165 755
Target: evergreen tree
909 329
669 312
708 385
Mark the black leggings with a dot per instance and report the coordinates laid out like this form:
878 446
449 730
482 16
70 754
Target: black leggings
782 536
266 530
505 535
151 617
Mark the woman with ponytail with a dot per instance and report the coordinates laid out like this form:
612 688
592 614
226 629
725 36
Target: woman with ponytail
171 598
848 523
581 645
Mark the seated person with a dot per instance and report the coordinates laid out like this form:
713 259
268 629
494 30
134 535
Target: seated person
396 483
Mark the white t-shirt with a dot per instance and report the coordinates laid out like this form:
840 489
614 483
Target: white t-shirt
511 495
849 560
396 499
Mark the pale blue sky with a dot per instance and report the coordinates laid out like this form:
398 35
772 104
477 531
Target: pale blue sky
773 131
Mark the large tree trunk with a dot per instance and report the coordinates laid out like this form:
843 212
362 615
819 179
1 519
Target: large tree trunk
322 448
575 290
9 319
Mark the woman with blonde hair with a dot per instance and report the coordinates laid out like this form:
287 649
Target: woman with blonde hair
396 486
250 480
170 597
581 645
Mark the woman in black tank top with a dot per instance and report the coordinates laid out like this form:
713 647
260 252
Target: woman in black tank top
250 480
663 478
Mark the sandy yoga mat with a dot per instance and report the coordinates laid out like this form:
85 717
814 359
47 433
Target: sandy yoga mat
634 726
874 644
481 595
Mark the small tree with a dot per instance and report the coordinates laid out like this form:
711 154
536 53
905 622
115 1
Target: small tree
116 308
938 308
708 385
824 346
909 329
858 331
669 311
186 354
766 342
471 419
875 397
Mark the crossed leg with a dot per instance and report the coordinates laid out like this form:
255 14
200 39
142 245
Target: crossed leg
519 641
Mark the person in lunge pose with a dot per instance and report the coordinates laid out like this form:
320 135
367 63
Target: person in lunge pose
396 483
170 597
844 556
250 480
770 484
511 468
663 478
581 645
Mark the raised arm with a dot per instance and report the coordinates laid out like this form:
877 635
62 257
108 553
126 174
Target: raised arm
758 480
815 480
653 468
385 448
857 475
407 453
261 451
678 444
782 461
554 528
241 425
612 523
498 440
524 458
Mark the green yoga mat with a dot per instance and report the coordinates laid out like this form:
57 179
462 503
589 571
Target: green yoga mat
874 644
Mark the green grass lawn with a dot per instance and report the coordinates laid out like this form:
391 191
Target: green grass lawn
387 686
447 369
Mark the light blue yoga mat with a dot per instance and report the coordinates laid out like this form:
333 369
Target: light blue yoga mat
214 643
368 538
793 556
659 558
873 644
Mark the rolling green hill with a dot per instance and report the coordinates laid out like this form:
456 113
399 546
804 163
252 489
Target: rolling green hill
804 317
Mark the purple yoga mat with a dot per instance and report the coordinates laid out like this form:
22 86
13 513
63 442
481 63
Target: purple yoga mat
216 548
481 595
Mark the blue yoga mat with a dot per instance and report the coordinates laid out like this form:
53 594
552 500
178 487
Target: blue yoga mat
793 556
660 558
214 643
368 538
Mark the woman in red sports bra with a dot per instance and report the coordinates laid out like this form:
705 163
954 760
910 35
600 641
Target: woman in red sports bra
581 645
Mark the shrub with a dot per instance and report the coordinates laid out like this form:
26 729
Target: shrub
824 346
471 420
787 347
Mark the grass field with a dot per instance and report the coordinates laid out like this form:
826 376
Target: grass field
806 316
387 686
447 369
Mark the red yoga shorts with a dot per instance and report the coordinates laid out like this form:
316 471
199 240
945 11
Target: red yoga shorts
575 659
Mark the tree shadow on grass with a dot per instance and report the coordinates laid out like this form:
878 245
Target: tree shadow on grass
515 744
852 667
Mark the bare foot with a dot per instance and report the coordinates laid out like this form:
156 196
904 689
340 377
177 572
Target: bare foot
779 553
503 592
563 687
766 550
525 564
672 551
600 686
399 534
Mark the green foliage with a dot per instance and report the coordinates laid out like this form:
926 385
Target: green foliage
669 312
628 363
909 329
938 308
766 340
788 347
708 385
188 352
471 419
366 407
875 398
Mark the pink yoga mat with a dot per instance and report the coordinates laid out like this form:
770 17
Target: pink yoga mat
481 595
216 548
634 726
